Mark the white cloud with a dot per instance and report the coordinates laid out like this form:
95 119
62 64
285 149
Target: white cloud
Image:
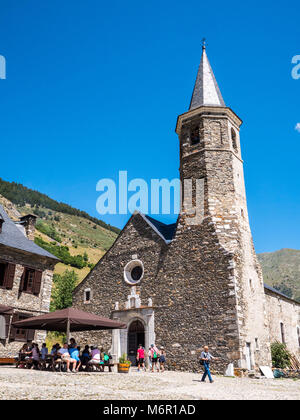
297 128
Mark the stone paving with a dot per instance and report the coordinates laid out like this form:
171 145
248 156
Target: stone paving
22 384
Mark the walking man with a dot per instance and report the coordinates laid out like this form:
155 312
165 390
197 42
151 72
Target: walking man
205 359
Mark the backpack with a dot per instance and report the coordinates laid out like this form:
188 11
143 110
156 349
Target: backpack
155 355
202 361
106 358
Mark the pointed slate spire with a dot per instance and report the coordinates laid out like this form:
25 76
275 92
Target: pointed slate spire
206 91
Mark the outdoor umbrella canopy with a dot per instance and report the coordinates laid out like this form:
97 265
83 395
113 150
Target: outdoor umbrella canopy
69 320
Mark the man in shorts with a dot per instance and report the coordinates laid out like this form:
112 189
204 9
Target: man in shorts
141 357
65 357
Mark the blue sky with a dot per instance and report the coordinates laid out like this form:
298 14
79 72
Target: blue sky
95 87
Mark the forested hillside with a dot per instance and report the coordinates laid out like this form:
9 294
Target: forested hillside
281 269
76 238
20 196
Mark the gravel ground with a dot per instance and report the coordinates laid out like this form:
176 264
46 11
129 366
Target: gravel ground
22 384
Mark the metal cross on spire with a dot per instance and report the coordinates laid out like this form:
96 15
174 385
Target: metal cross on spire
204 43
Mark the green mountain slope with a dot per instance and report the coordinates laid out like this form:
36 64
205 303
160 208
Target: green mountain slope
281 269
20 196
73 236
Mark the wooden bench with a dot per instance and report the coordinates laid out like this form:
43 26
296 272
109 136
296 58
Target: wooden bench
95 367
109 365
7 360
26 364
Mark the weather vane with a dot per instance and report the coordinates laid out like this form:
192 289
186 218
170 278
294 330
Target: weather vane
204 43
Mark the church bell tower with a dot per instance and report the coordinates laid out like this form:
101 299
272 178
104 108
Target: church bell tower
217 236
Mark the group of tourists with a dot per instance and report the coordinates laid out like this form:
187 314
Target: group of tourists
156 358
92 355
70 354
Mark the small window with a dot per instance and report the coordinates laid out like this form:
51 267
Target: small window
134 272
298 333
21 334
2 274
195 138
242 212
234 140
132 302
282 333
256 344
87 295
250 283
28 280
31 281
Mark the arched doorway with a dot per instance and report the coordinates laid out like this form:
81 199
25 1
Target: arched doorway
136 336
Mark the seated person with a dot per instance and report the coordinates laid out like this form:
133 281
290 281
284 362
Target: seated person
65 356
106 358
22 352
74 353
95 355
29 348
72 343
55 349
85 357
44 351
35 355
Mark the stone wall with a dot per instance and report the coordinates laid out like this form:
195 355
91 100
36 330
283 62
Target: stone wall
23 302
285 311
107 283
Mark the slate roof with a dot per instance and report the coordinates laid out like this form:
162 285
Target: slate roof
12 237
166 232
266 286
206 91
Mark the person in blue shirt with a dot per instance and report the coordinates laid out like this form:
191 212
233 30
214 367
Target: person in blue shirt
74 354
44 351
205 358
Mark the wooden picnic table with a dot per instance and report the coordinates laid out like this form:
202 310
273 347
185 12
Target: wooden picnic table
54 363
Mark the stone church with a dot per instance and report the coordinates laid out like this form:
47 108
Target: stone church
188 284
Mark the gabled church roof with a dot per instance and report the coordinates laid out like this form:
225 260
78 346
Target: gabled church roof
206 91
13 237
166 232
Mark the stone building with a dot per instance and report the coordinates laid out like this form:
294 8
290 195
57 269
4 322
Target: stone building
197 281
283 318
26 272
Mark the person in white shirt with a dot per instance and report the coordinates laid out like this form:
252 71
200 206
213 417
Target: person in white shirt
65 356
